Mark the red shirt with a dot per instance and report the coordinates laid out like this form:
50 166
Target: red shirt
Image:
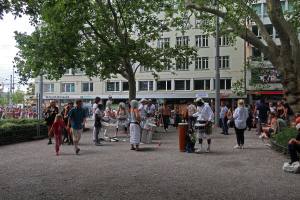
58 127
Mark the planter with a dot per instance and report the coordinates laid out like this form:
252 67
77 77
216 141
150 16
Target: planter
278 147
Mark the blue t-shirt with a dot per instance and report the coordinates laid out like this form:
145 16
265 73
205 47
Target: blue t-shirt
77 116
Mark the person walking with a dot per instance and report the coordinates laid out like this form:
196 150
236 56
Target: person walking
57 128
135 128
77 118
240 116
223 118
166 113
50 113
262 111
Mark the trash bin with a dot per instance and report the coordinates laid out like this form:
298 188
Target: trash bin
182 129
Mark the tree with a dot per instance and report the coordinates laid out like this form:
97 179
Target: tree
18 97
30 89
285 57
104 38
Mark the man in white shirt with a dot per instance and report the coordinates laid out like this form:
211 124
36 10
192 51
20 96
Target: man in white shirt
205 117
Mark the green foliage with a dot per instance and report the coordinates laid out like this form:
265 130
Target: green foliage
238 87
283 137
18 97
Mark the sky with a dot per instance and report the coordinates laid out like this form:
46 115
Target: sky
7 45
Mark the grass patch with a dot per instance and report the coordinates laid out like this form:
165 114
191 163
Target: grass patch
284 136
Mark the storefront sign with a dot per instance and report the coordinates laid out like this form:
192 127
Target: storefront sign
202 95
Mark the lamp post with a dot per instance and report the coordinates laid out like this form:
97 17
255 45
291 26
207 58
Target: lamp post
217 73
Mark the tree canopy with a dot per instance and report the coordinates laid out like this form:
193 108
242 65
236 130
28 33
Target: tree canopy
238 15
102 38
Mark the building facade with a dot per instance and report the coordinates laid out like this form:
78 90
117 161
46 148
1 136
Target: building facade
187 78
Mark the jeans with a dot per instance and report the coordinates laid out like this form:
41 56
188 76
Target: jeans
224 125
96 134
166 121
293 149
240 136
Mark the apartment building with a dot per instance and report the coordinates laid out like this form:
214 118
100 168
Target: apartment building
187 78
271 78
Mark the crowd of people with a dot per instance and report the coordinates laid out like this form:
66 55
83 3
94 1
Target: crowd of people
136 118
15 112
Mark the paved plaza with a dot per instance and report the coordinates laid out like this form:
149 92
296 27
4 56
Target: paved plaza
32 171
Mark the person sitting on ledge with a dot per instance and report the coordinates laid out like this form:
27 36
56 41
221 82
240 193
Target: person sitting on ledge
270 128
294 146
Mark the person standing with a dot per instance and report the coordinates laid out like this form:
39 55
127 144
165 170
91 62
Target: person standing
204 116
263 111
94 108
223 118
240 116
77 117
67 131
135 128
98 114
191 110
122 122
50 113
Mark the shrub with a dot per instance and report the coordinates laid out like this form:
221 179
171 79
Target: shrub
18 130
284 136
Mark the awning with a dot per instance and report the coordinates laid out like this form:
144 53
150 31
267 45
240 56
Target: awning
280 92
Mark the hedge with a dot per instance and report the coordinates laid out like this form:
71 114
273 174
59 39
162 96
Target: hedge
20 130
280 141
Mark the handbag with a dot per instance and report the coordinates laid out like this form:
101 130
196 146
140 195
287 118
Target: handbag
230 123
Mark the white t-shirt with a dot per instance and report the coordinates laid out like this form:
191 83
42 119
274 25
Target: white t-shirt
95 106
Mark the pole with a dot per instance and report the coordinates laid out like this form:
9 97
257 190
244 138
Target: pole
13 80
217 73
40 98
10 91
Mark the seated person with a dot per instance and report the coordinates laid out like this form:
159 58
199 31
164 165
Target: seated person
270 128
281 124
297 119
294 146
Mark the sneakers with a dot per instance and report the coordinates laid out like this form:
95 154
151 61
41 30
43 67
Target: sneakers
98 144
207 150
77 151
50 142
237 147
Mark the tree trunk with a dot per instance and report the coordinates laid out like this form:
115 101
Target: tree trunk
292 85
132 87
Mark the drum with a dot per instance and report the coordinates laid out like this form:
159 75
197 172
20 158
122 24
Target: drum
200 125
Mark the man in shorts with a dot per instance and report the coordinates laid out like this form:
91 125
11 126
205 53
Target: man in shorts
205 118
77 117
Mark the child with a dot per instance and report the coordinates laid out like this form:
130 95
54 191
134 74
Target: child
190 141
57 129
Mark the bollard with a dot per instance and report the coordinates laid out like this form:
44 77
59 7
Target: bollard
182 129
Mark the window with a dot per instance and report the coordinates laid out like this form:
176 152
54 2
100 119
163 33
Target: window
182 84
48 87
167 65
224 62
269 28
256 31
201 63
145 85
182 64
125 86
163 43
77 72
257 9
113 86
265 13
201 40
182 41
163 85
145 69
224 41
68 87
87 87
202 84
225 84
201 22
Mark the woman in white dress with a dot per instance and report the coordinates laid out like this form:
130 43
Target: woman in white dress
135 129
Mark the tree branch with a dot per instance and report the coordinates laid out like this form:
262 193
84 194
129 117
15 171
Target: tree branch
99 35
247 35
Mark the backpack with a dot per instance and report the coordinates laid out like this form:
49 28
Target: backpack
291 168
